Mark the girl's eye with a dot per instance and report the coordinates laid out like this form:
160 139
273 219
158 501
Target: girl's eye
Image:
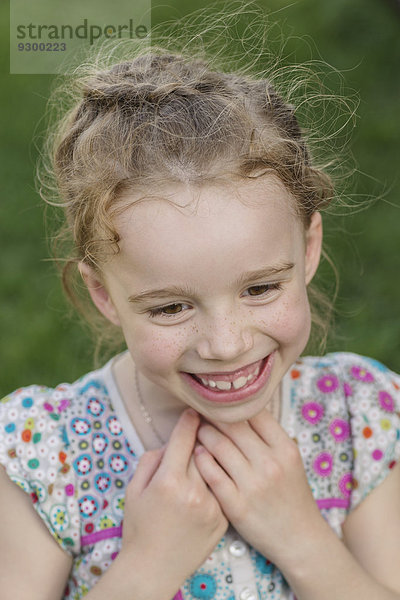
171 310
167 311
264 288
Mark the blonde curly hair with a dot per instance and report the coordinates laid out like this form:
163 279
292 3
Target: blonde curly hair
165 116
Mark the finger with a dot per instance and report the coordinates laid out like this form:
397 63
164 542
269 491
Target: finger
193 472
222 448
244 437
181 443
147 466
221 485
269 429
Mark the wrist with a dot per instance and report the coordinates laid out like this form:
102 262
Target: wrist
306 547
322 562
131 577
142 574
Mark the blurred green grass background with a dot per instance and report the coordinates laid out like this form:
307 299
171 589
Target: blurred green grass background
41 344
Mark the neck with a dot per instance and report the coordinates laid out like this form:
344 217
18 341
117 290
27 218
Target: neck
163 409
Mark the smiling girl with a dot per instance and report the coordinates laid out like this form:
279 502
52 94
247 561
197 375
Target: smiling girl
207 460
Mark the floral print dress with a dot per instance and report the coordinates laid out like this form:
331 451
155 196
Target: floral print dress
74 450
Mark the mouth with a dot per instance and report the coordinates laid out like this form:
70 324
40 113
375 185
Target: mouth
232 387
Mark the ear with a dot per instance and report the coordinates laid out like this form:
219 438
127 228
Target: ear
98 292
313 246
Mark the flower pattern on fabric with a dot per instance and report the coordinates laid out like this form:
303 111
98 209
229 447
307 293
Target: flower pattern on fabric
340 430
59 517
328 383
386 401
67 449
312 412
346 484
362 374
203 587
323 464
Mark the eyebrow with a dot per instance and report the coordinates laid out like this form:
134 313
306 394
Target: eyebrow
185 291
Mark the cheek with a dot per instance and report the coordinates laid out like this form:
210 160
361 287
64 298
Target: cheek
155 348
291 319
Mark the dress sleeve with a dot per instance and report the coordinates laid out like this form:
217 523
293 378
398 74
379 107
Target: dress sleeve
34 453
373 396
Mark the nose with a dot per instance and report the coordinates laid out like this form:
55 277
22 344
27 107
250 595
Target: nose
224 338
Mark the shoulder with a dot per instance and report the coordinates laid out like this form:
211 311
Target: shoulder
347 375
36 452
30 413
351 403
367 390
348 363
28 416
37 404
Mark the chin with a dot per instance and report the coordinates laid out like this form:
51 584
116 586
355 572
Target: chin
234 414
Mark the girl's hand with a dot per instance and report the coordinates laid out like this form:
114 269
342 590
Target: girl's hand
172 520
256 473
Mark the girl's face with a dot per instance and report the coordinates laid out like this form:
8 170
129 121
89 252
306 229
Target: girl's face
213 284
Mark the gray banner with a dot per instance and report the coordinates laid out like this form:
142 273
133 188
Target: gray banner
53 36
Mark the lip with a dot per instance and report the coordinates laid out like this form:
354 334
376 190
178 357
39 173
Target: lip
228 375
232 396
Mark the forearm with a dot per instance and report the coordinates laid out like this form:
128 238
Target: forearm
132 579
327 570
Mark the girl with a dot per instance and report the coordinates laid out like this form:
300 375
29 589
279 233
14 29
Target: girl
207 460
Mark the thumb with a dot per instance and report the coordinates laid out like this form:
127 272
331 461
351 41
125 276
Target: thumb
148 465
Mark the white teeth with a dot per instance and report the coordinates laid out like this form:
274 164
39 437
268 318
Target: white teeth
208 383
238 383
223 385
227 385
